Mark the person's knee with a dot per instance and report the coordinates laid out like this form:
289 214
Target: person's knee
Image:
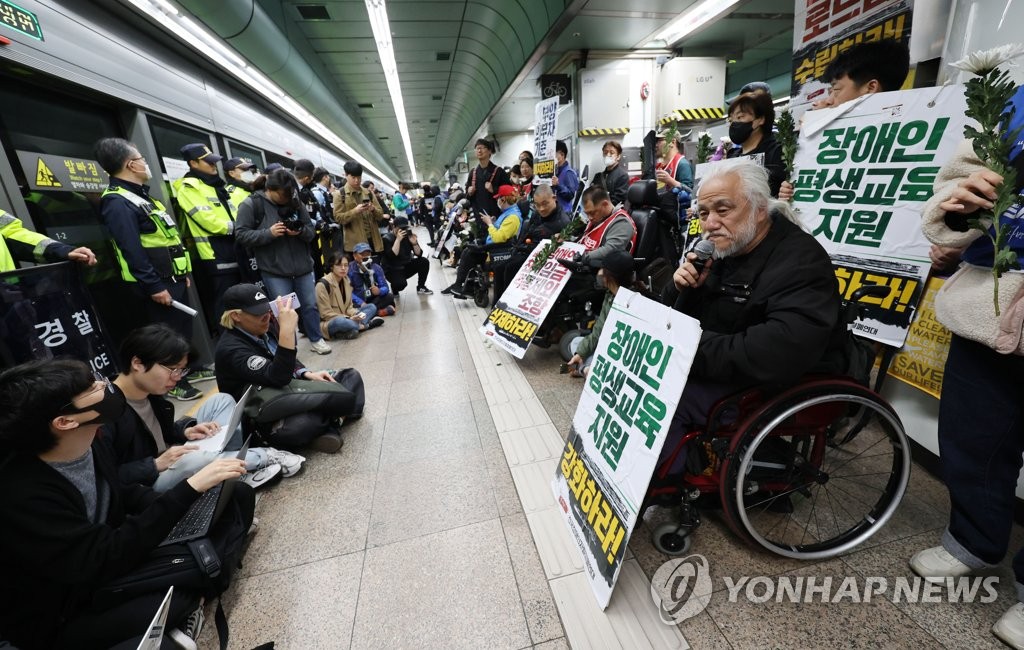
217 408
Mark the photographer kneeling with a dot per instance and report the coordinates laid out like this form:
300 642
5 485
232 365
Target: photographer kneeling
251 352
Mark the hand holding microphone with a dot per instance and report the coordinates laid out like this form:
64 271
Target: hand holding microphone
691 272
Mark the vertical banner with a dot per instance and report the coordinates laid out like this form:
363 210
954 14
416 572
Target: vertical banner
629 396
863 173
544 138
922 361
826 28
45 313
519 312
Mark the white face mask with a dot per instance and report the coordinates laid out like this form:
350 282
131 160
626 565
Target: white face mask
609 161
146 171
248 176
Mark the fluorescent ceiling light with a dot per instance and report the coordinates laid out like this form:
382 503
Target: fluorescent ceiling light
213 48
693 19
385 49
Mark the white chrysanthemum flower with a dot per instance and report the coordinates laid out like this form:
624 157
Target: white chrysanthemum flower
983 62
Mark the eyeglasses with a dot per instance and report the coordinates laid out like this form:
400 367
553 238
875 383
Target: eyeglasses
104 384
176 373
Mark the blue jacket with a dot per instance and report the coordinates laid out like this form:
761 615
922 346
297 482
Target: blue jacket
568 183
361 282
514 209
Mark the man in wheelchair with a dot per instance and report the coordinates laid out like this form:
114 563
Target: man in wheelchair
501 230
767 300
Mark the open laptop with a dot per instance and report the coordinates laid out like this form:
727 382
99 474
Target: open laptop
206 510
155 632
218 442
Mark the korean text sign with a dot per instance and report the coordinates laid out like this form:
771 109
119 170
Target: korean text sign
544 137
862 175
638 372
526 302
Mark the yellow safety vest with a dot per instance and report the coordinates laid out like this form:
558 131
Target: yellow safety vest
203 213
11 228
163 246
238 194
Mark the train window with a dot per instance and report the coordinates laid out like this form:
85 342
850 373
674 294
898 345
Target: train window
236 150
170 137
287 163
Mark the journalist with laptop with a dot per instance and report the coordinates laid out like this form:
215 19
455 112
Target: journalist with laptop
154 450
70 525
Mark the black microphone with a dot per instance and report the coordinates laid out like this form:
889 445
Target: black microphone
703 250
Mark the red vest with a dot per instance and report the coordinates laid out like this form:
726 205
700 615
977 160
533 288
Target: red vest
671 166
593 236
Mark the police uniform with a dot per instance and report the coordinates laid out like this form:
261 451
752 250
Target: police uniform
19 243
149 250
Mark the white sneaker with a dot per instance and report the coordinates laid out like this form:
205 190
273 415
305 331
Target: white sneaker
290 463
320 347
189 632
182 640
937 564
258 477
1010 628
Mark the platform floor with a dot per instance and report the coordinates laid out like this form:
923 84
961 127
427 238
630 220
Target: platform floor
428 529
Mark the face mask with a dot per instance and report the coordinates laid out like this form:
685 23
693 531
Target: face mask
609 161
146 172
739 132
109 409
248 176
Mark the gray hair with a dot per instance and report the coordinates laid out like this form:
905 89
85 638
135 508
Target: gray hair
542 192
753 181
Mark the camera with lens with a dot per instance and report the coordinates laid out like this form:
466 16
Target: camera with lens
289 216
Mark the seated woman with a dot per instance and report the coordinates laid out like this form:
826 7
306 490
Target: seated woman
70 526
339 318
149 446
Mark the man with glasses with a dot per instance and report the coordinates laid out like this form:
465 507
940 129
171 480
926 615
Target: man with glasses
544 220
148 245
155 450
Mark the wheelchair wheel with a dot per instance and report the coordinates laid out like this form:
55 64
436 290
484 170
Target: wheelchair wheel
668 539
567 338
482 295
789 488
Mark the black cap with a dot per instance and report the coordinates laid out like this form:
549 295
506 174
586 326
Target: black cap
619 264
402 222
238 163
199 151
273 167
247 297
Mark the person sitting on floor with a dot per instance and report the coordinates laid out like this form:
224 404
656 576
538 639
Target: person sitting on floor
71 527
250 352
150 447
369 284
617 270
339 317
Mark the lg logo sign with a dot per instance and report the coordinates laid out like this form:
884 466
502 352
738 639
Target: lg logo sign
705 78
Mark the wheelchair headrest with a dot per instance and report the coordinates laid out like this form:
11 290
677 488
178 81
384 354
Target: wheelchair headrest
643 194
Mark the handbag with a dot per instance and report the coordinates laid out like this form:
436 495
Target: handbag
269 404
964 306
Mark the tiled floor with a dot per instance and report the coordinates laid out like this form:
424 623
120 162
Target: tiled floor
430 528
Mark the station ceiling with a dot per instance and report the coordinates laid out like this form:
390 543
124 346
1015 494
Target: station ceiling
462 63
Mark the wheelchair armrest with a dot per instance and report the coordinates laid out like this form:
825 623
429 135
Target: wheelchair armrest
574 265
851 310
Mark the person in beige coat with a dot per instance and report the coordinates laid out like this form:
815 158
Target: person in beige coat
339 318
981 412
358 211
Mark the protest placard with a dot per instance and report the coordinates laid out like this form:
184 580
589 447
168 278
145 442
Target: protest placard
544 138
639 370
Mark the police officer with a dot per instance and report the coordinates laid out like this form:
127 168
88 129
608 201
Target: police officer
208 212
240 172
19 243
149 249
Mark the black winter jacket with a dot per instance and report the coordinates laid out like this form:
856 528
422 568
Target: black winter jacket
241 361
134 448
53 558
770 316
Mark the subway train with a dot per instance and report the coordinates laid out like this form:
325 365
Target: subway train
477 500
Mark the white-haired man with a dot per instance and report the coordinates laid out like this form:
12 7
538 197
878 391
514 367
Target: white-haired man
768 301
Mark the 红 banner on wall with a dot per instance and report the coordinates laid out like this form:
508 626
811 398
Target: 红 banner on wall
862 175
826 28
922 361
526 302
45 313
629 396
544 138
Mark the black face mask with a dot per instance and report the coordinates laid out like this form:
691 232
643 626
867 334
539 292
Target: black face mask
739 132
110 408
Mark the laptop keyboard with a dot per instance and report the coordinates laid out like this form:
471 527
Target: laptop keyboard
195 522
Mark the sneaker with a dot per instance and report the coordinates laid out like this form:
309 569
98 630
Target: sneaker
256 478
328 443
424 291
200 374
451 288
254 526
184 391
1010 628
189 632
182 640
349 335
376 321
320 347
389 310
936 564
290 463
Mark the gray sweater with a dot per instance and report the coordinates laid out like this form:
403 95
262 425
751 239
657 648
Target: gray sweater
287 255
